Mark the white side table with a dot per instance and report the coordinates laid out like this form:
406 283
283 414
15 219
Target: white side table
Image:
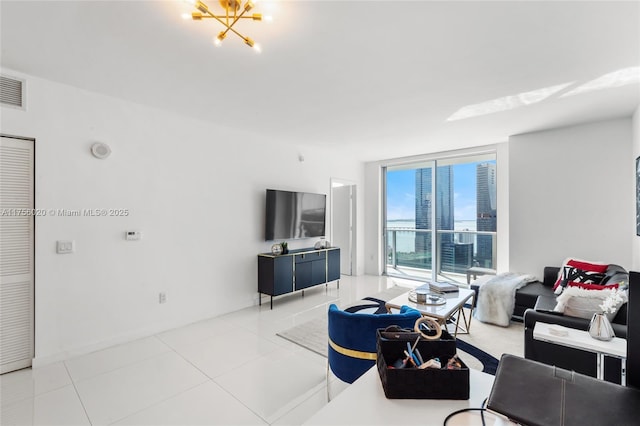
579 339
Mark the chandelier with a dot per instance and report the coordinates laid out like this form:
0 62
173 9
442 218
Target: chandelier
233 12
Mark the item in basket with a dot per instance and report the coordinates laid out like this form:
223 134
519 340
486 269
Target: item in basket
420 360
432 363
400 363
411 360
454 363
431 327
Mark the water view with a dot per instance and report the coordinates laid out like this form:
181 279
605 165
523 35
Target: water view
406 241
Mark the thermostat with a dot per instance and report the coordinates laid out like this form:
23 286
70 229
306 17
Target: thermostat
133 235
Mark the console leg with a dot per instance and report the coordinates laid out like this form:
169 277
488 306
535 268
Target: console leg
302 293
259 299
600 366
271 302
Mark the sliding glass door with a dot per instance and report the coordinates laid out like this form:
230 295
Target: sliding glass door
440 217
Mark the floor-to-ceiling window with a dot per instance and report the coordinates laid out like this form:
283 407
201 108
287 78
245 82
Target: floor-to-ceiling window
440 217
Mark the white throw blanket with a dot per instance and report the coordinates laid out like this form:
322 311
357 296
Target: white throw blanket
497 296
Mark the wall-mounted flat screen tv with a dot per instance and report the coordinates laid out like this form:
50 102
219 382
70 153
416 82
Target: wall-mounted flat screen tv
291 215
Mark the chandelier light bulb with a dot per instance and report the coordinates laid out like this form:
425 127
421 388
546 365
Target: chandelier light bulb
186 16
257 48
218 40
267 18
202 7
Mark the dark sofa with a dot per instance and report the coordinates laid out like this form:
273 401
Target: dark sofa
569 358
527 296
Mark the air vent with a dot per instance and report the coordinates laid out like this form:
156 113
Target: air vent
12 92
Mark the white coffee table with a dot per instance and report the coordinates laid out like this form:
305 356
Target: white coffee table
452 309
580 339
364 403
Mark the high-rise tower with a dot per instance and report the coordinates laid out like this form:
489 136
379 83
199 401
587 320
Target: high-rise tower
424 203
486 212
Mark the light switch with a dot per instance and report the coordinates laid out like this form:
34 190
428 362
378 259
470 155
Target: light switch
65 247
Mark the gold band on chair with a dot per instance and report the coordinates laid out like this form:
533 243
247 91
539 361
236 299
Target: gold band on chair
351 353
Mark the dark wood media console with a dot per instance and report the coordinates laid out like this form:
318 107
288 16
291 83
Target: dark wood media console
297 270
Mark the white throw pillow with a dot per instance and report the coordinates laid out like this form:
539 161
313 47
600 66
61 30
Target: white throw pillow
583 303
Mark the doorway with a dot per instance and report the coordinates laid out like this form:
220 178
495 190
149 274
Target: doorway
343 222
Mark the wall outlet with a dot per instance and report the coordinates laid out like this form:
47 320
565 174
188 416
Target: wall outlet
162 297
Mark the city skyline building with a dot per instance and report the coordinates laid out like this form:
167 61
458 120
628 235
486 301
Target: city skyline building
453 255
423 200
486 211
456 257
464 238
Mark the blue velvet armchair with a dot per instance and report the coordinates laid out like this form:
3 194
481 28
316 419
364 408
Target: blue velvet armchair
352 339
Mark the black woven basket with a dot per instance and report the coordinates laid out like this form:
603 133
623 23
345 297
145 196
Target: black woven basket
413 383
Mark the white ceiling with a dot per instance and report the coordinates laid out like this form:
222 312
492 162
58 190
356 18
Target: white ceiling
379 77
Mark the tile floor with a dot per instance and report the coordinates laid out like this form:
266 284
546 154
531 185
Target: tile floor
191 375
228 370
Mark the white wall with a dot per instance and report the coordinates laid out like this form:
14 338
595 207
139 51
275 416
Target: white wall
569 196
373 219
503 222
635 265
561 192
194 190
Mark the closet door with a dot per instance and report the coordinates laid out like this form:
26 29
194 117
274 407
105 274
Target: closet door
16 253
